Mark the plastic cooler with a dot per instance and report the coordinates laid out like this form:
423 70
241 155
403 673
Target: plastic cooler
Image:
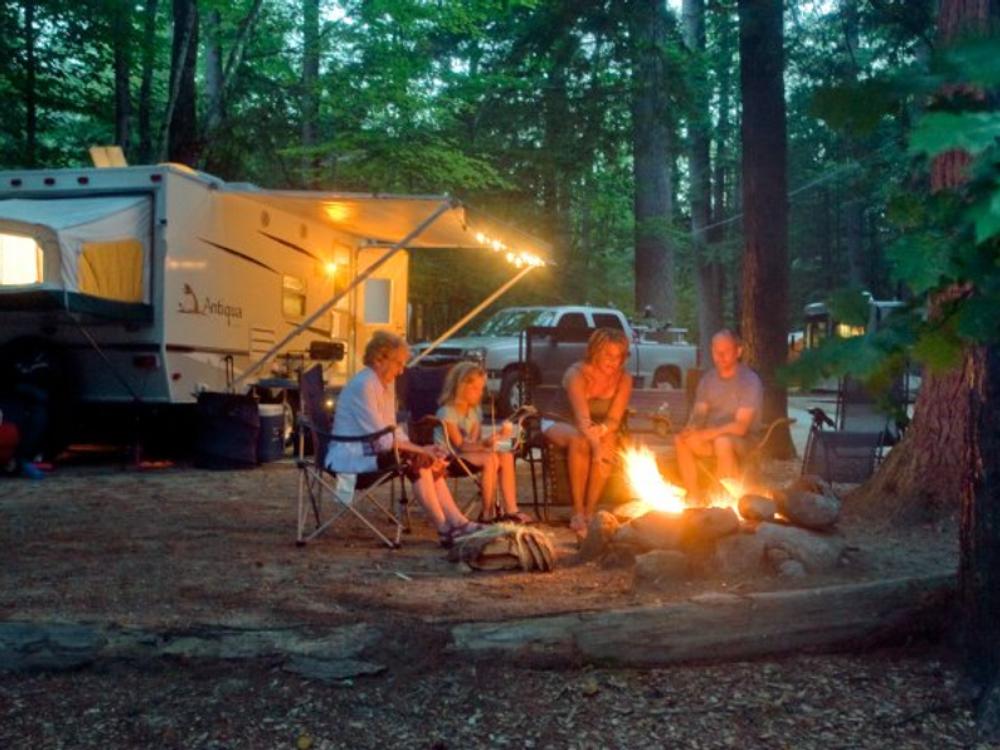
271 441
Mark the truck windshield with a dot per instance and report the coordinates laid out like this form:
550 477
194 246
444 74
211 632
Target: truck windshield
512 322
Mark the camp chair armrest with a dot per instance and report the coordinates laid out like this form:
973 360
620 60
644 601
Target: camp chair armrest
306 422
363 438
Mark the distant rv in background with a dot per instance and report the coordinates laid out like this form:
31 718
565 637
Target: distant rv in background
820 324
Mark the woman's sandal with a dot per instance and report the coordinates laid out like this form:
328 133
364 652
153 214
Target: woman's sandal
517 517
579 526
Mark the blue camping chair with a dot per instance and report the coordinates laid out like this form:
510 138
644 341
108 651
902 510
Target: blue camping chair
317 482
420 388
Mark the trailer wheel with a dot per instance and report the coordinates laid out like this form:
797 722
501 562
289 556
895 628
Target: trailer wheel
36 384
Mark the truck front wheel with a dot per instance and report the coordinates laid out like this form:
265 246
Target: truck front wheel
510 396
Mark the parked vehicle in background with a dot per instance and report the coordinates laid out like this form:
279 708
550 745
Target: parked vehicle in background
820 324
653 362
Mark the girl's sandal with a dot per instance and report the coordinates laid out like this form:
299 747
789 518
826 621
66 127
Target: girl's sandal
579 526
448 537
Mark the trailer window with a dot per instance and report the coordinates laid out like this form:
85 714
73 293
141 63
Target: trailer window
112 270
378 293
293 297
20 260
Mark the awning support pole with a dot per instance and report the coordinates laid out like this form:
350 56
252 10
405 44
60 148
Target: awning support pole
417 231
470 315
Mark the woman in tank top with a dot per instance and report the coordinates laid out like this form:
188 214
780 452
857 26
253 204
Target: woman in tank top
597 391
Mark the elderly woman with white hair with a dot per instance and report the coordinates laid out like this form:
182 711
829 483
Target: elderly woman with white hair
368 404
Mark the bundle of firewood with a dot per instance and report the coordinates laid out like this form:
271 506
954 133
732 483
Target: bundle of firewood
505 546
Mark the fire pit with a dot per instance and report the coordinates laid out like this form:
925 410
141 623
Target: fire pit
741 530
652 492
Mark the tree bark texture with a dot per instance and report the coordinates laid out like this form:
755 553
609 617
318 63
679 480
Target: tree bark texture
310 88
181 121
30 87
979 569
765 207
651 152
921 477
212 60
555 191
707 268
146 85
220 71
121 25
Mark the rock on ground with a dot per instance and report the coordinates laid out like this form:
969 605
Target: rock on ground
812 510
660 567
818 553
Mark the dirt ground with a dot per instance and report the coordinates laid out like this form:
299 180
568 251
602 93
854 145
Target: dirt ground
901 700
179 546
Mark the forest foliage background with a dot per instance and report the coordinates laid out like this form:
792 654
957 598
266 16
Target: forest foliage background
526 108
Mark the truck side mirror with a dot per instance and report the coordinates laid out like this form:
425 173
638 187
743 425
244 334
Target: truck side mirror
332 351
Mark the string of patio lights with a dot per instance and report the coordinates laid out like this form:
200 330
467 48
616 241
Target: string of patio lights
518 258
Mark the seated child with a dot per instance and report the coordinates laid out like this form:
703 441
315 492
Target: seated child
462 418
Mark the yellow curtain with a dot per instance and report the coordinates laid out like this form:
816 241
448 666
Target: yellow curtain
112 270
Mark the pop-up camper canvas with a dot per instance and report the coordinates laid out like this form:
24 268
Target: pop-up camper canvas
143 286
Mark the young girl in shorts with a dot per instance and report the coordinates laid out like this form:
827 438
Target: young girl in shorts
461 421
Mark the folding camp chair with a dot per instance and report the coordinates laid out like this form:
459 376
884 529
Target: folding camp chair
862 409
317 482
420 388
850 446
840 455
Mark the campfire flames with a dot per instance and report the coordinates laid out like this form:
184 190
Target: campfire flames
649 485
653 492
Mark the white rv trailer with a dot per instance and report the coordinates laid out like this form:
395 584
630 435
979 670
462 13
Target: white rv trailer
149 284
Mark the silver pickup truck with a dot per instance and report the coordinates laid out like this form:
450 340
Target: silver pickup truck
656 358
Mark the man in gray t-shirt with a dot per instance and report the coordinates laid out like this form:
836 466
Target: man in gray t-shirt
727 408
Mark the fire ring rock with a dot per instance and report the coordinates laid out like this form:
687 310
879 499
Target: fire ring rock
600 532
812 510
757 508
818 553
703 525
654 530
660 567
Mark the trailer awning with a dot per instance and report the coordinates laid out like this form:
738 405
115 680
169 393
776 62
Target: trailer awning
386 219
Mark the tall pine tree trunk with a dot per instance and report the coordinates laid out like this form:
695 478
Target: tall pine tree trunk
651 151
979 570
555 191
121 30
765 206
708 271
146 86
181 120
30 91
310 89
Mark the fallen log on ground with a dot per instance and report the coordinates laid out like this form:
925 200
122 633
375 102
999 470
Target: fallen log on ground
723 626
